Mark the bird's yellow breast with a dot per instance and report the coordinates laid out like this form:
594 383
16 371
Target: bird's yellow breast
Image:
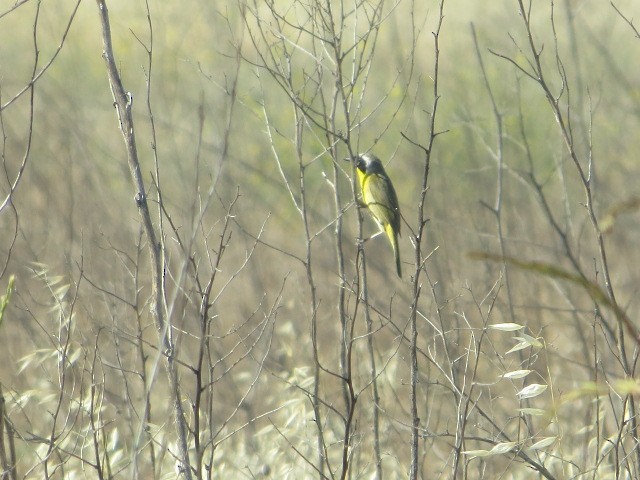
362 178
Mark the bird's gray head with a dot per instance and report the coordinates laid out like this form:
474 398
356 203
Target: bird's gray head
369 163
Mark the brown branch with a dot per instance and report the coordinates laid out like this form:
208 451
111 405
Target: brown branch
123 102
628 20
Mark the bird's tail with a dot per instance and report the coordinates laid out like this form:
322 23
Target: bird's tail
393 238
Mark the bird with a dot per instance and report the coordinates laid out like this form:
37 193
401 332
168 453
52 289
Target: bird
379 196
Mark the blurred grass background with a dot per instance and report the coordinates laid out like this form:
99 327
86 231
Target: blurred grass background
75 204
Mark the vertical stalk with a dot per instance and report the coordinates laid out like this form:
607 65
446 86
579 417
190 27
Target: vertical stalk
123 103
419 257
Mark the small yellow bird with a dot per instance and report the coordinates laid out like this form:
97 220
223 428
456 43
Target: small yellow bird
379 196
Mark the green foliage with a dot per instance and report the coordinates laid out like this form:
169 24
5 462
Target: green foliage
4 300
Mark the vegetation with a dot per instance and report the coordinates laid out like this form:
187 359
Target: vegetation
192 290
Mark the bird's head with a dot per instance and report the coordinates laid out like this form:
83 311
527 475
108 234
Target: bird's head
368 163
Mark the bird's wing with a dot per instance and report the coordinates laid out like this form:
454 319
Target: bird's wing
380 197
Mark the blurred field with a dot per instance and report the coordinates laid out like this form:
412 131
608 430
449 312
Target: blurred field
77 223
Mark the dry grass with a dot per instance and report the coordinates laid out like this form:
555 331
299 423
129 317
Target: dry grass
263 279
